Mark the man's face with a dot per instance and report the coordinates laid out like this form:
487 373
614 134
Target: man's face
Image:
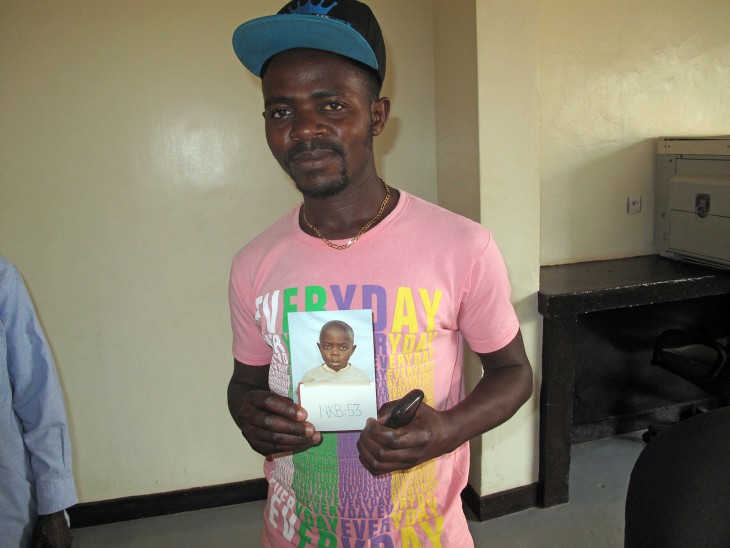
320 120
335 345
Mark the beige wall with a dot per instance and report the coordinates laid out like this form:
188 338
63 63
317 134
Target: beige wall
507 51
457 140
488 169
133 167
613 77
571 96
457 106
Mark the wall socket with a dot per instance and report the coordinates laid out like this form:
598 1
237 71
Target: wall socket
633 204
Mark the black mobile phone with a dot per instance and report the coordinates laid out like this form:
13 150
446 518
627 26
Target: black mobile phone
405 409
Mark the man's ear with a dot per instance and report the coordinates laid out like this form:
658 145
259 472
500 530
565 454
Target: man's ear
380 111
354 346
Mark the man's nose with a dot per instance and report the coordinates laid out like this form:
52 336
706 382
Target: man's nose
306 125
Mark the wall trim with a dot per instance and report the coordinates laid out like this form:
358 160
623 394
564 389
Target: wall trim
500 504
89 514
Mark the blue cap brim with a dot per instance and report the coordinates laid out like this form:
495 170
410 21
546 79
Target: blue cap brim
257 41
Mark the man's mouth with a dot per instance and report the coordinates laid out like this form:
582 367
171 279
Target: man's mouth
313 157
311 153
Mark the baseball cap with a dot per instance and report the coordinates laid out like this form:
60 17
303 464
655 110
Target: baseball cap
345 27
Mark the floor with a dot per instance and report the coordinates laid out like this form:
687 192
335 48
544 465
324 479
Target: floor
594 517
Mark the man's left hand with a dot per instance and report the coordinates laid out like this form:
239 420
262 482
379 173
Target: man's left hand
384 449
51 531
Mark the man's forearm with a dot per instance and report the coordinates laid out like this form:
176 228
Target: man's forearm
433 433
496 398
51 530
236 395
505 386
245 379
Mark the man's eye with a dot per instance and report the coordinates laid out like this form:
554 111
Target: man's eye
333 106
278 113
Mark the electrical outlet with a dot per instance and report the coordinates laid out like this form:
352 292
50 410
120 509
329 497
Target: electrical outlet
633 204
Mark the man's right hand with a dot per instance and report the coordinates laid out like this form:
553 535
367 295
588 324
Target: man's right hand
270 423
274 424
51 531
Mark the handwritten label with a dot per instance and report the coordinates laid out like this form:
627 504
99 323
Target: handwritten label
338 407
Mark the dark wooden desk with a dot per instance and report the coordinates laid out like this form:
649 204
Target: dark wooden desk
568 291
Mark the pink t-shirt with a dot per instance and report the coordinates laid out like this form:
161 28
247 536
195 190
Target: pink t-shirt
432 279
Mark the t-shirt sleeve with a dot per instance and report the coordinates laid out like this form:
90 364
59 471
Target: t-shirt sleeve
487 319
249 346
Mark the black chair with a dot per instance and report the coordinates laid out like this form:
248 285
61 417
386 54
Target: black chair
701 361
679 490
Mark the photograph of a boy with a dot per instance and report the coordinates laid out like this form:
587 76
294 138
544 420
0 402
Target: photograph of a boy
336 344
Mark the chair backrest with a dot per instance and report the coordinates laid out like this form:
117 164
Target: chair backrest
701 361
679 490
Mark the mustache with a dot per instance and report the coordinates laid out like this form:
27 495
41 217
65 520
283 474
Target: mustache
311 146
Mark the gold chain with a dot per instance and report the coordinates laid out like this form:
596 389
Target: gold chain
365 227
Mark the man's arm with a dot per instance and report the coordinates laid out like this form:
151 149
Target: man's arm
270 423
38 403
504 388
51 530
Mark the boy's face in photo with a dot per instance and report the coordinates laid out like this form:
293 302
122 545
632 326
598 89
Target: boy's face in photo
336 347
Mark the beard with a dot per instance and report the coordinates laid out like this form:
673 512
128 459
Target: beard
325 188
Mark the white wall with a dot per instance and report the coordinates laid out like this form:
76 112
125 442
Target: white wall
507 52
457 106
486 62
614 76
488 159
457 141
133 166
571 98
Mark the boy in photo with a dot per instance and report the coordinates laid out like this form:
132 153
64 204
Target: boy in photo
336 344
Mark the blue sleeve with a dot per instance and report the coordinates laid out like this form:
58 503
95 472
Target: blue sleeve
37 400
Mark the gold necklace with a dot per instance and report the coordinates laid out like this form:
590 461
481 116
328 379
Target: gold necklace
365 227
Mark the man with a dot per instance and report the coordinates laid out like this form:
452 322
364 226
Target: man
36 482
431 278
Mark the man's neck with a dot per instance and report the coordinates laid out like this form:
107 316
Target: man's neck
342 216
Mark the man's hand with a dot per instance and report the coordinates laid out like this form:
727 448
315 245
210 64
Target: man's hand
274 424
51 531
270 423
384 449
504 387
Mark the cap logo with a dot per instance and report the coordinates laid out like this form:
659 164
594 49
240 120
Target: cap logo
312 8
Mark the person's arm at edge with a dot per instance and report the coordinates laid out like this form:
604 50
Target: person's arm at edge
38 403
51 530
505 386
270 423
